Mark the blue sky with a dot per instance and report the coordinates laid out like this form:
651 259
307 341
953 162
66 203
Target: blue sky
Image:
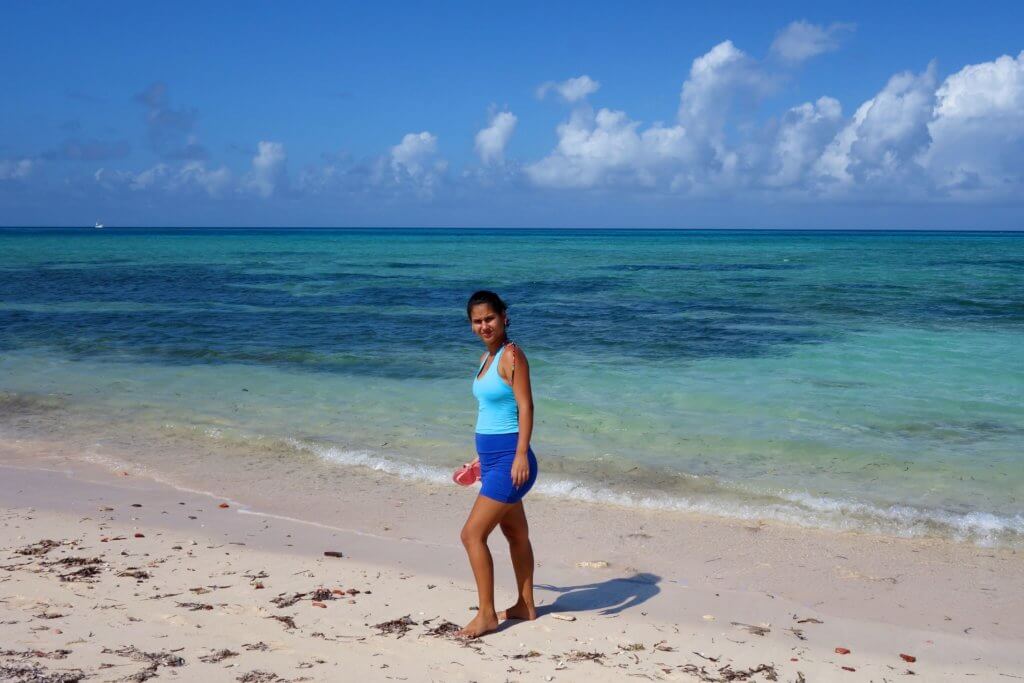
748 115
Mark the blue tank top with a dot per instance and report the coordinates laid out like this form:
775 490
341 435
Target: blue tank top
499 412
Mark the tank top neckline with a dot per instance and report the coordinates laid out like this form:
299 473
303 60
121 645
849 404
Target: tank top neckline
477 377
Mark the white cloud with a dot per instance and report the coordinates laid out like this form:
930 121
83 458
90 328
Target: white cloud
880 145
978 128
802 40
571 90
16 169
214 182
412 156
802 136
491 141
190 176
268 174
415 161
609 147
718 79
596 149
148 178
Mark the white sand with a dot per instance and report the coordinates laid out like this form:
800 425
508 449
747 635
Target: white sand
676 603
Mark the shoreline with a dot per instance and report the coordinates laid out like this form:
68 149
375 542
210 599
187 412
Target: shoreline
874 595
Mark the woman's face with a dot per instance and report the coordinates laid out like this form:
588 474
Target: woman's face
486 324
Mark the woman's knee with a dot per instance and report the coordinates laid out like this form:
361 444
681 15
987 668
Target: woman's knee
472 536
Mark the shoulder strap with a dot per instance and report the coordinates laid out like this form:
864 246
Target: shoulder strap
512 376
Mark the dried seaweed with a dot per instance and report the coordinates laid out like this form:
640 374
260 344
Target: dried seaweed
39 548
195 606
288 622
218 656
256 647
257 676
320 594
35 654
445 629
134 573
581 656
83 574
74 561
400 626
756 630
34 673
727 673
154 661
283 600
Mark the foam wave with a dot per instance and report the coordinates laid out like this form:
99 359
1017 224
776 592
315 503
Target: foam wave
796 508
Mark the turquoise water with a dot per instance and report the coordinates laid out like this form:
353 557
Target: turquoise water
864 380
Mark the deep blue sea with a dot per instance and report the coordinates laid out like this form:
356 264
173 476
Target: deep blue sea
847 380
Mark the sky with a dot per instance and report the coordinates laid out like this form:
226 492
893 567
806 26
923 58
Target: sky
590 114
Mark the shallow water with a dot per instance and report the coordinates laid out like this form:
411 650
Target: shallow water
846 380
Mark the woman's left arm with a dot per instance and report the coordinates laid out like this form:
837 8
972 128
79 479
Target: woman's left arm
519 370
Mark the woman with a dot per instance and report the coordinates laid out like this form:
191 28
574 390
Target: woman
508 466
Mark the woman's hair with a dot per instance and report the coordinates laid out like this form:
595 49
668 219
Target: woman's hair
485 297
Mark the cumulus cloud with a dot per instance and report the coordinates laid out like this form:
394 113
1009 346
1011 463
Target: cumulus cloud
171 131
800 139
880 145
717 79
918 138
571 90
608 147
977 129
415 161
268 175
802 40
16 169
491 141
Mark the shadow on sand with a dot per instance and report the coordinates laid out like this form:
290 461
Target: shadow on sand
609 597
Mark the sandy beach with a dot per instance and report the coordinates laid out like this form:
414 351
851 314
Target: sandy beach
116 576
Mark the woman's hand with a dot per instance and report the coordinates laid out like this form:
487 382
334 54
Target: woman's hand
520 470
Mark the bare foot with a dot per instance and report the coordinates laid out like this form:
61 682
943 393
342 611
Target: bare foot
480 625
520 610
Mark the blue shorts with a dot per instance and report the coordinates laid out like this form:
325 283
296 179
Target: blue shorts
497 451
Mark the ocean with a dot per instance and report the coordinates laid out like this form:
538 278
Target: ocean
843 380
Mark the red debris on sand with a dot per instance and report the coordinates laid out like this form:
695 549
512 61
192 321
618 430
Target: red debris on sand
223 505
842 651
258 585
848 668
105 539
317 603
908 658
138 535
338 591
333 553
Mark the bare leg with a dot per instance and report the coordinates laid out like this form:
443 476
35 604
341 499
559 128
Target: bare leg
516 530
484 516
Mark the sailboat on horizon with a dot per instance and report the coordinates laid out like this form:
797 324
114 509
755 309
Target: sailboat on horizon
98 225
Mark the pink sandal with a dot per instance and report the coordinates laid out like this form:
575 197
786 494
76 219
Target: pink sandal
467 474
